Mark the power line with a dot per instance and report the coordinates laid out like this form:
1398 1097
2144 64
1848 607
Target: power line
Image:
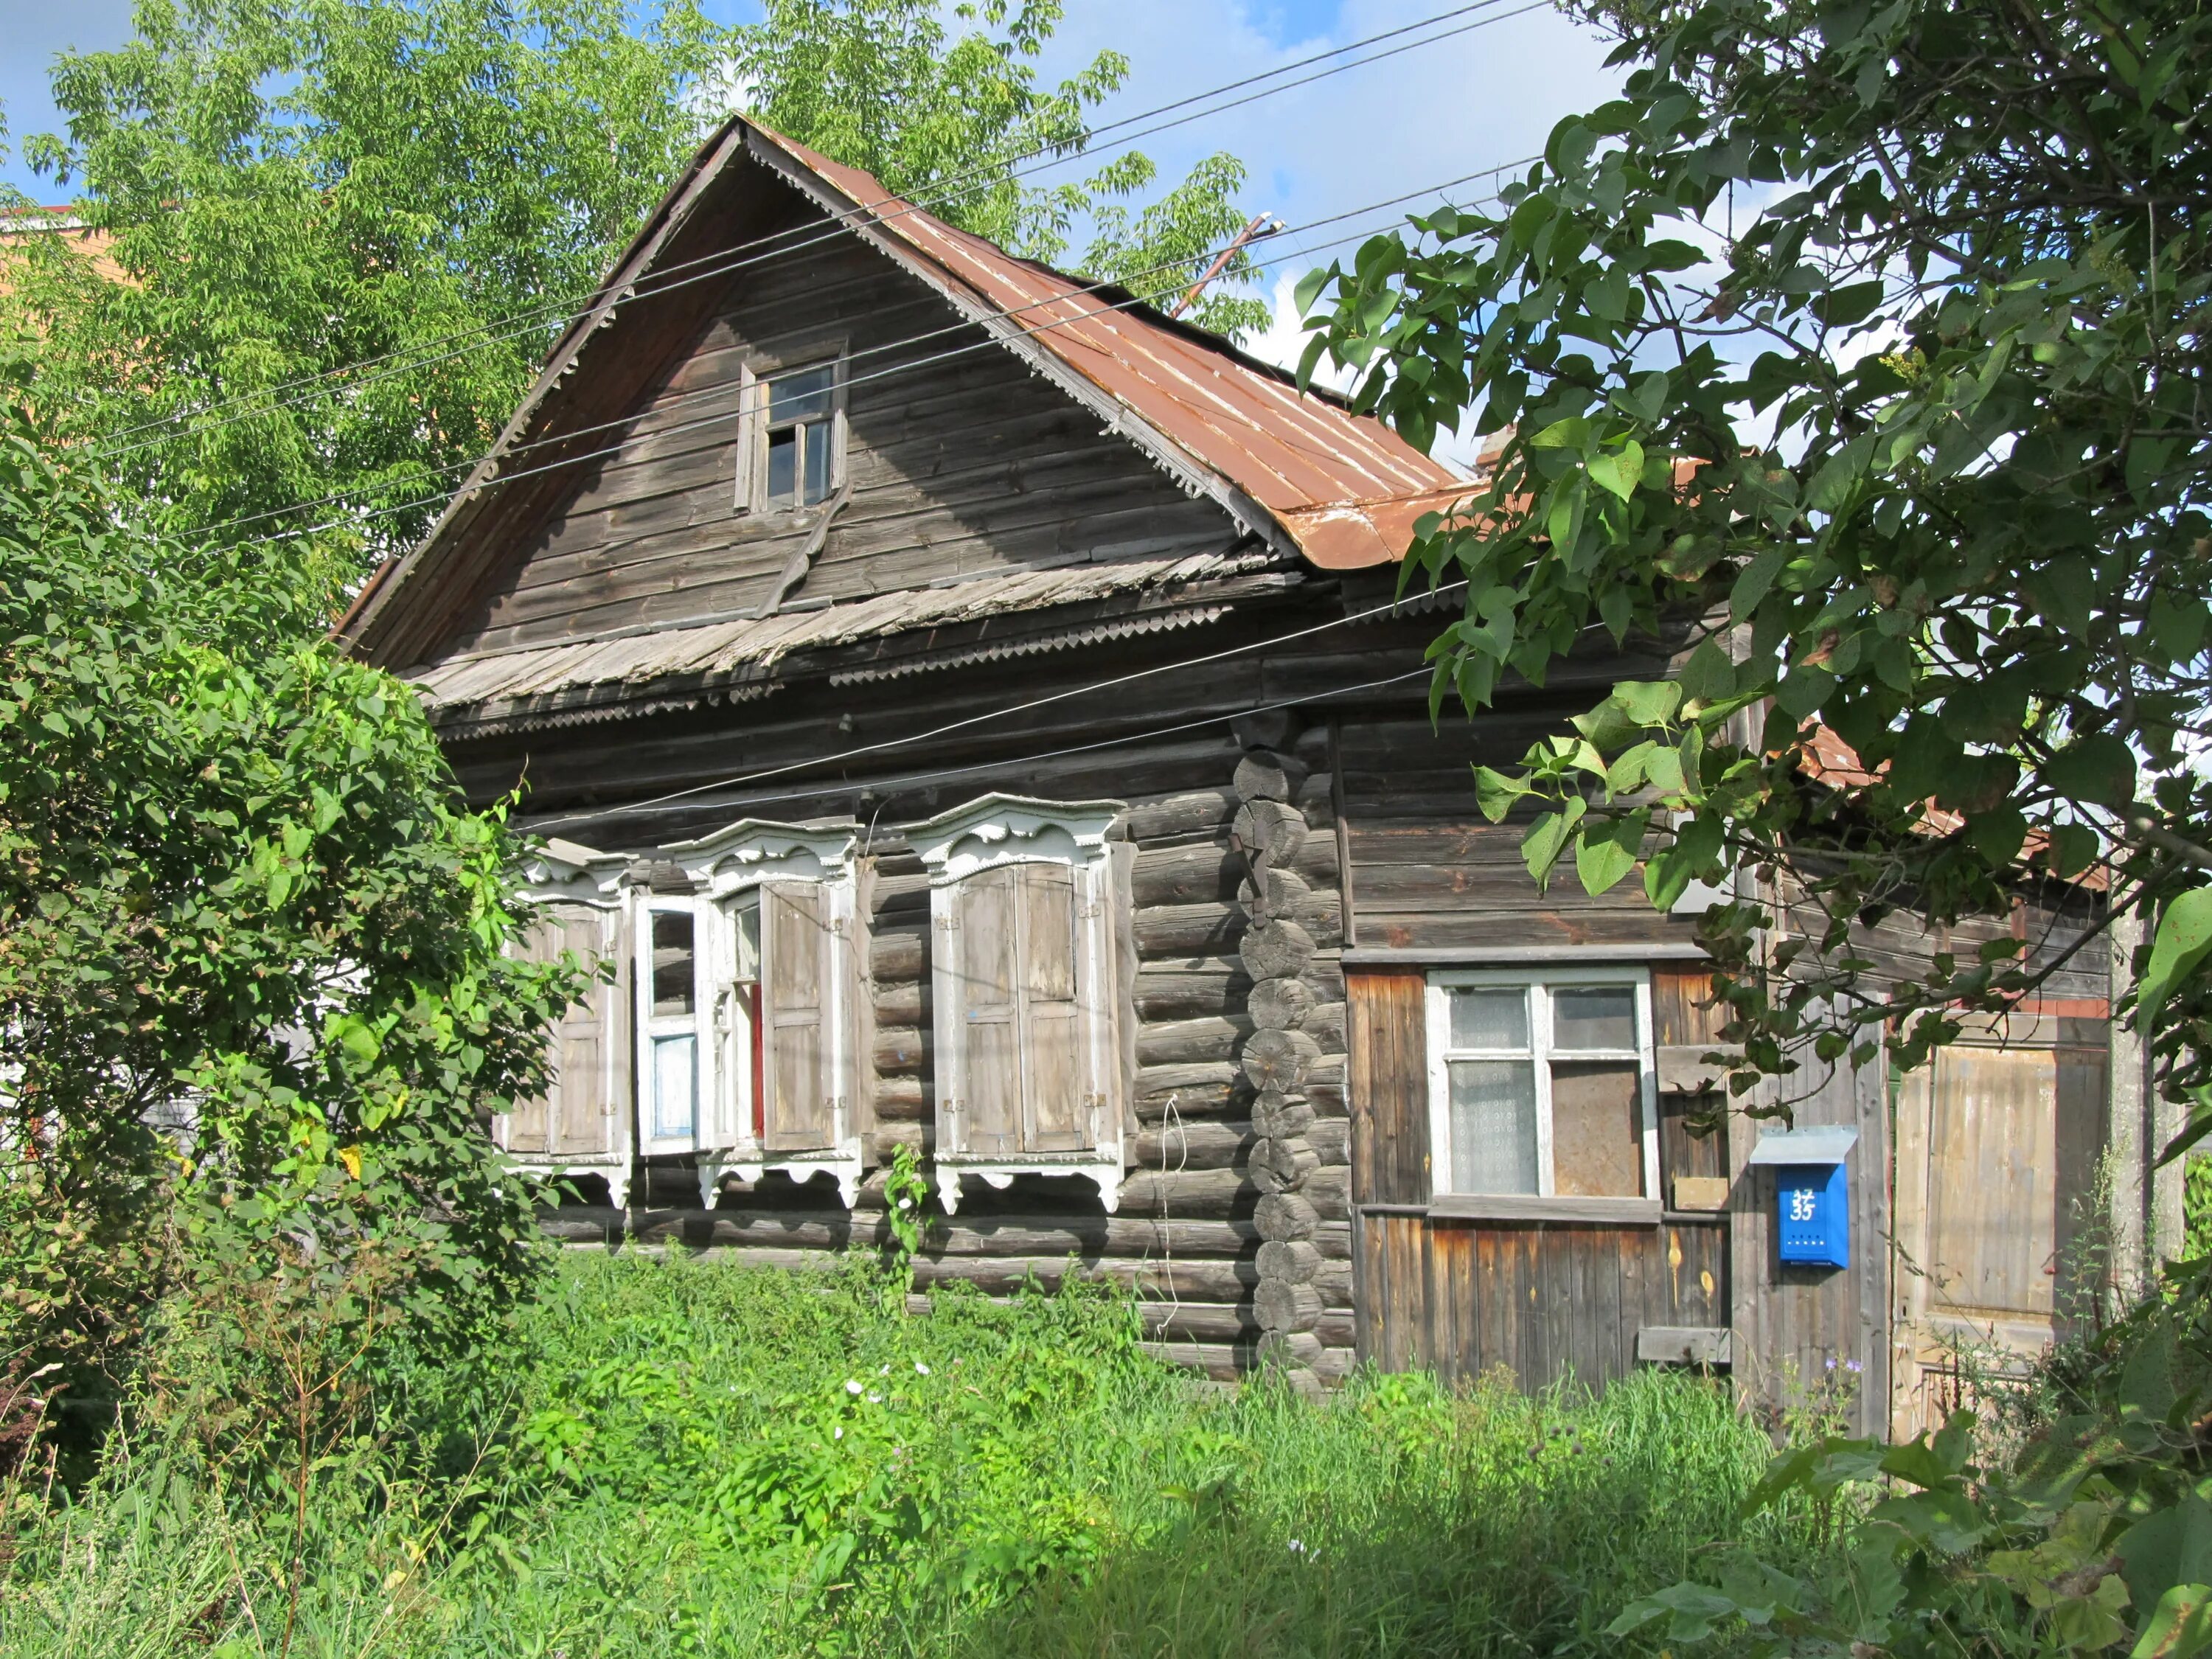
528 321
1012 708
913 779
961 325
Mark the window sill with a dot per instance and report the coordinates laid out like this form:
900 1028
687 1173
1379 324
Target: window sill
1471 1207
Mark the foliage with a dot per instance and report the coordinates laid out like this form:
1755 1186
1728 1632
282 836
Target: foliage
253 1005
2093 1535
1858 352
291 190
954 126
699 1458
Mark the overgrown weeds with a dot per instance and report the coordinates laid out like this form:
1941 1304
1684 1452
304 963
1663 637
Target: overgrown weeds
689 1458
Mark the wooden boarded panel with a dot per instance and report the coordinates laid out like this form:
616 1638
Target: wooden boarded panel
1389 1084
576 1116
991 1110
800 1113
1054 1116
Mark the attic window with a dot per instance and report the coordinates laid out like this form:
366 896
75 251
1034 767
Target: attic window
791 444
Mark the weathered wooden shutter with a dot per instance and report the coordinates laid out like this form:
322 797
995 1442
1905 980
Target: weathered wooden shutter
799 1073
1056 1117
752 442
988 1039
576 1116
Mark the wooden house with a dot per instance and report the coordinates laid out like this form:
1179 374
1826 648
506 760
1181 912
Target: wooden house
973 712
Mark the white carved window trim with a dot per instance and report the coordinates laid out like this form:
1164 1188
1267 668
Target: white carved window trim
990 833
565 872
729 870
1541 1053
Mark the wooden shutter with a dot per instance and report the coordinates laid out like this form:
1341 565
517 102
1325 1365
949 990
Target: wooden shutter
1056 1117
989 1037
752 442
798 1050
576 1116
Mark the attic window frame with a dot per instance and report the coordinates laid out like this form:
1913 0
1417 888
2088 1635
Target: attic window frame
756 430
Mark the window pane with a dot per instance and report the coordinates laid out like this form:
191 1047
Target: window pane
782 465
1597 1129
1493 1126
817 462
675 1085
1593 1017
1490 1020
802 395
747 917
672 962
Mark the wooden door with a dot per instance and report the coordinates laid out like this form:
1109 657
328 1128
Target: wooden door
1982 1221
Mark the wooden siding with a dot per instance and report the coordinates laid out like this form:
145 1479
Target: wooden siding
958 464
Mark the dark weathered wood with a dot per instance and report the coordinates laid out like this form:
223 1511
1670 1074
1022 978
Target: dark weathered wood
1388 1093
1276 950
1265 775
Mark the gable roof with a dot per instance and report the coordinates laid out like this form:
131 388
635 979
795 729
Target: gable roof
1297 469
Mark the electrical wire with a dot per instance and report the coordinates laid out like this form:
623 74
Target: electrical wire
1050 698
717 393
912 779
527 322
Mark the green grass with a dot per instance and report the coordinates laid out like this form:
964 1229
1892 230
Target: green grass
689 1458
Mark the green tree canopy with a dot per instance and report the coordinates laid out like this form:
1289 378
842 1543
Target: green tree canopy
253 999
1862 348
346 230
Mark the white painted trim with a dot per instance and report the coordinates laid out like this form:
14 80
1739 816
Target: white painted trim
754 850
998 829
569 872
1101 1170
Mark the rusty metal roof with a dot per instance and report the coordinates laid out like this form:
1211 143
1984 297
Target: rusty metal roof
1344 488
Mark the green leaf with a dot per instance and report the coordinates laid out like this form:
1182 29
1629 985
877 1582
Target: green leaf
1496 793
2179 1626
1619 472
1547 838
2167 1549
2184 935
2100 768
1608 850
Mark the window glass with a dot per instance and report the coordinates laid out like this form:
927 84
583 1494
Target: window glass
675 1085
782 463
1597 1129
1593 1017
673 981
802 395
1490 1018
818 463
1493 1126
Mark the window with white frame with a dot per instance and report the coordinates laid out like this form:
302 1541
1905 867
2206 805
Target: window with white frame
1025 989
791 436
671 1058
772 927
1542 1086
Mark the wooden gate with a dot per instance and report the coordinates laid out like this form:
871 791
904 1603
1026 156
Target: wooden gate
1996 1147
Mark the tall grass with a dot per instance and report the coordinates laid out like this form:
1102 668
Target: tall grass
690 1458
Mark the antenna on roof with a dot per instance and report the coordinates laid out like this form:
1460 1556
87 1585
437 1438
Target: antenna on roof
1263 224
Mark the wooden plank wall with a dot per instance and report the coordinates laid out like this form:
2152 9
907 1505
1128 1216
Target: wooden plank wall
959 463
1544 1300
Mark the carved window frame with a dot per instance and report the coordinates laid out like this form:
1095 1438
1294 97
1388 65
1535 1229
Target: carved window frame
730 871
993 832
567 874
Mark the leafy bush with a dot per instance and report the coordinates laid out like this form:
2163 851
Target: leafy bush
254 1006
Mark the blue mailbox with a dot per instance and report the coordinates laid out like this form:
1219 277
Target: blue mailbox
1812 1193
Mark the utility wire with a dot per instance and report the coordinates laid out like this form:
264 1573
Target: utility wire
711 393
528 321
1046 701
911 779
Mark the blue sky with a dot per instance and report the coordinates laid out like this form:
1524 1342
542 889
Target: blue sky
1404 124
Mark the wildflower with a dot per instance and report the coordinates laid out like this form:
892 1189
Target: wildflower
1832 1364
851 1387
874 1399
920 1368
883 1370
1297 1546
1853 1367
837 1434
906 1203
